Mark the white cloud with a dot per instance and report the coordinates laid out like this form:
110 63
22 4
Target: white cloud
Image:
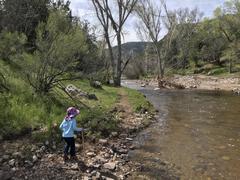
84 9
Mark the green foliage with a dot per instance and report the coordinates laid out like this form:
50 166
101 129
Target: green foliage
98 121
23 16
138 101
11 44
58 46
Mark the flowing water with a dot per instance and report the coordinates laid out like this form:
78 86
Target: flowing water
197 131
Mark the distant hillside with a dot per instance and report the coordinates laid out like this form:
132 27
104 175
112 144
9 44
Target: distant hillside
136 47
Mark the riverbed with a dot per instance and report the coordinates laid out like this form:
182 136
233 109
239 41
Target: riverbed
197 132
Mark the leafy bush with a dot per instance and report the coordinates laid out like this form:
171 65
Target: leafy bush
11 44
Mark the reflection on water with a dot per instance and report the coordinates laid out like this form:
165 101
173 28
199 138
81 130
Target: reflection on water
198 131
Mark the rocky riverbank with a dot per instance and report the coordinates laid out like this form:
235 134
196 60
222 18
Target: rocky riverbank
106 158
199 82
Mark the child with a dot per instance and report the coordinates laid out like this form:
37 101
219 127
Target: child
68 126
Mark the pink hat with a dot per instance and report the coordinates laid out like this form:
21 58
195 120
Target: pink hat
71 113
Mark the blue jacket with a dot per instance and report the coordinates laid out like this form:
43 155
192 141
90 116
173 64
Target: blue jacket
68 127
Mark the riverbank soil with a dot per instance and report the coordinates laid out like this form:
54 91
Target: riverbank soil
97 158
200 82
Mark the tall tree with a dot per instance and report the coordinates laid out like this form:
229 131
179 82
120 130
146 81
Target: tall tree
23 16
153 19
59 45
114 20
150 27
229 23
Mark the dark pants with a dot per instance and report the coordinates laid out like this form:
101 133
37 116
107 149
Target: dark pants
70 144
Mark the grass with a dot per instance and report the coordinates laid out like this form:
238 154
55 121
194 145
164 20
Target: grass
138 101
22 111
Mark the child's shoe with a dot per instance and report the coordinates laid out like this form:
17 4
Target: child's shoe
74 158
65 157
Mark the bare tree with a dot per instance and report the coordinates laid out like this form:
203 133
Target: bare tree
114 21
150 27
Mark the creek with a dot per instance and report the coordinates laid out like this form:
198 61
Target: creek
196 131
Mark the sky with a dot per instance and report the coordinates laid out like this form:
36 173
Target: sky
84 9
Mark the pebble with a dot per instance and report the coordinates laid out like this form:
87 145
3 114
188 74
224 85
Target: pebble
17 155
11 162
129 139
5 157
91 154
35 158
114 134
74 166
103 141
47 143
226 158
110 165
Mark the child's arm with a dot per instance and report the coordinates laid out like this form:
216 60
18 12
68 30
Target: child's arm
75 128
61 125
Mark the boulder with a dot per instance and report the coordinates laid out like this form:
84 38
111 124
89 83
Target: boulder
96 84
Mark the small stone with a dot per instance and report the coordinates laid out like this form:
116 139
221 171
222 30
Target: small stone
91 154
103 141
54 147
123 151
11 162
114 134
110 165
132 147
123 135
14 169
226 158
28 163
98 175
46 142
77 145
156 89
129 139
5 157
74 166
17 155
35 158
85 178
43 148
97 166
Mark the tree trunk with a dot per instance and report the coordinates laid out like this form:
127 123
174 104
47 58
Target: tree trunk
110 55
160 68
230 66
118 73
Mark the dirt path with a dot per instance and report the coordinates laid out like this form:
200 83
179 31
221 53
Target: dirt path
99 159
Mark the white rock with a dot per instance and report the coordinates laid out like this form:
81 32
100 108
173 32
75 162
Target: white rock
35 158
129 139
103 141
110 165
91 154
47 143
11 162
114 134
74 166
